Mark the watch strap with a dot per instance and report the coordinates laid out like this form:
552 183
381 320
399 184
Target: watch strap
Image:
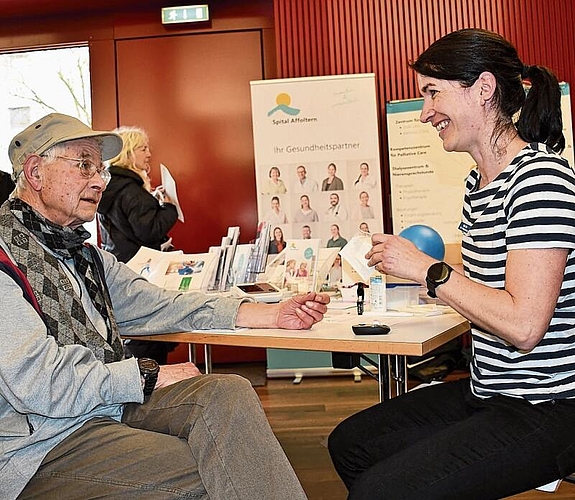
149 384
149 370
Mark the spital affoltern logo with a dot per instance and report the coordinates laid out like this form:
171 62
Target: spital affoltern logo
283 102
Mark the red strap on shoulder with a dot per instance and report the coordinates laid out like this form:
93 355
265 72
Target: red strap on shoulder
19 277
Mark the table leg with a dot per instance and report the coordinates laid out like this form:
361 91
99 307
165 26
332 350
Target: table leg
192 353
383 378
208 358
400 375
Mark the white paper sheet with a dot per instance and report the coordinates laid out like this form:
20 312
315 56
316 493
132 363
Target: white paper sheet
354 253
170 187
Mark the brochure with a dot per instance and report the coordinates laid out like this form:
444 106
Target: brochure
185 272
175 270
301 258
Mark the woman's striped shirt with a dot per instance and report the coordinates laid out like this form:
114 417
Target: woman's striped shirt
531 204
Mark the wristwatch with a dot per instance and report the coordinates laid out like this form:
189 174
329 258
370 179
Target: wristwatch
437 274
149 370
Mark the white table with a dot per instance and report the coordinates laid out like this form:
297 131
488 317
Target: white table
409 336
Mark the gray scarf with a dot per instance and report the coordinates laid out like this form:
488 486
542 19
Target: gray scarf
21 228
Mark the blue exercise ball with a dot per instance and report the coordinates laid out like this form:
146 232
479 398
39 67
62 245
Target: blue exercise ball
426 239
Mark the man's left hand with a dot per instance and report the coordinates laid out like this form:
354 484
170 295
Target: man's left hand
302 311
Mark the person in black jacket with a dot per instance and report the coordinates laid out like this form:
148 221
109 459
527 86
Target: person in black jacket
6 186
129 217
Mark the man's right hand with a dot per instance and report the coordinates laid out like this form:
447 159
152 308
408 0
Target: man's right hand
170 374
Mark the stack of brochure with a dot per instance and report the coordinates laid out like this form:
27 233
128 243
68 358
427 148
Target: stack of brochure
175 270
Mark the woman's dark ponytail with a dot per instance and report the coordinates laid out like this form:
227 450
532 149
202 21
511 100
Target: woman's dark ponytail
540 119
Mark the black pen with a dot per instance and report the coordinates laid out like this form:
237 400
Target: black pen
360 296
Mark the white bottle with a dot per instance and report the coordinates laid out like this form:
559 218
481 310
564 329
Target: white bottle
377 292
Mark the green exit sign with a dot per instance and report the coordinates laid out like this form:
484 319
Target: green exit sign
187 14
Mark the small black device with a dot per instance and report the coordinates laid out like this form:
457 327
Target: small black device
437 274
370 329
360 298
149 370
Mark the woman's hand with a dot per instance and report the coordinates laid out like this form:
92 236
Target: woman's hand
399 257
160 194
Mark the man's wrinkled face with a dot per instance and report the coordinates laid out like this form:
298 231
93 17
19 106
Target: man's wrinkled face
66 197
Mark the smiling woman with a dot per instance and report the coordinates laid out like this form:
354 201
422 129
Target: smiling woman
516 288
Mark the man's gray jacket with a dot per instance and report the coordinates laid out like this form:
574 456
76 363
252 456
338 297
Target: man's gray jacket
47 392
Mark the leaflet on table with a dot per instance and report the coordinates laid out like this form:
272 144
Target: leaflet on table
300 264
170 187
228 249
239 270
146 260
258 257
186 272
276 268
174 270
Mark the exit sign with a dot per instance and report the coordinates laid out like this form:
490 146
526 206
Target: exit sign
187 14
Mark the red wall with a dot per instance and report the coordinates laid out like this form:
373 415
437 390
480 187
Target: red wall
318 37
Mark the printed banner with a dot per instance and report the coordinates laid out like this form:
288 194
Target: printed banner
317 156
427 183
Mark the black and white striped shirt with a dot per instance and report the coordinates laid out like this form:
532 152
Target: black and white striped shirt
531 204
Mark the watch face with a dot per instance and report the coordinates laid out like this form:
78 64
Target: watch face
438 271
148 365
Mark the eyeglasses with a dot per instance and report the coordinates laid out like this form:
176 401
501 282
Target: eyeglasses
88 168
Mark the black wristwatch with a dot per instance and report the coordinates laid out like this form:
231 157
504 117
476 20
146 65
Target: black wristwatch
437 274
149 370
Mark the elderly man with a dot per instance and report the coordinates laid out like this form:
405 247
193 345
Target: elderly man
77 420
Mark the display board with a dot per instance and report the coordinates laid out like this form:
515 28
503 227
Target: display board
318 138
316 145
427 183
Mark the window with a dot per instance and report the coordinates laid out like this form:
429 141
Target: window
37 82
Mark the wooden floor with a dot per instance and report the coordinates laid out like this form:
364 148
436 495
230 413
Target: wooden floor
303 415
